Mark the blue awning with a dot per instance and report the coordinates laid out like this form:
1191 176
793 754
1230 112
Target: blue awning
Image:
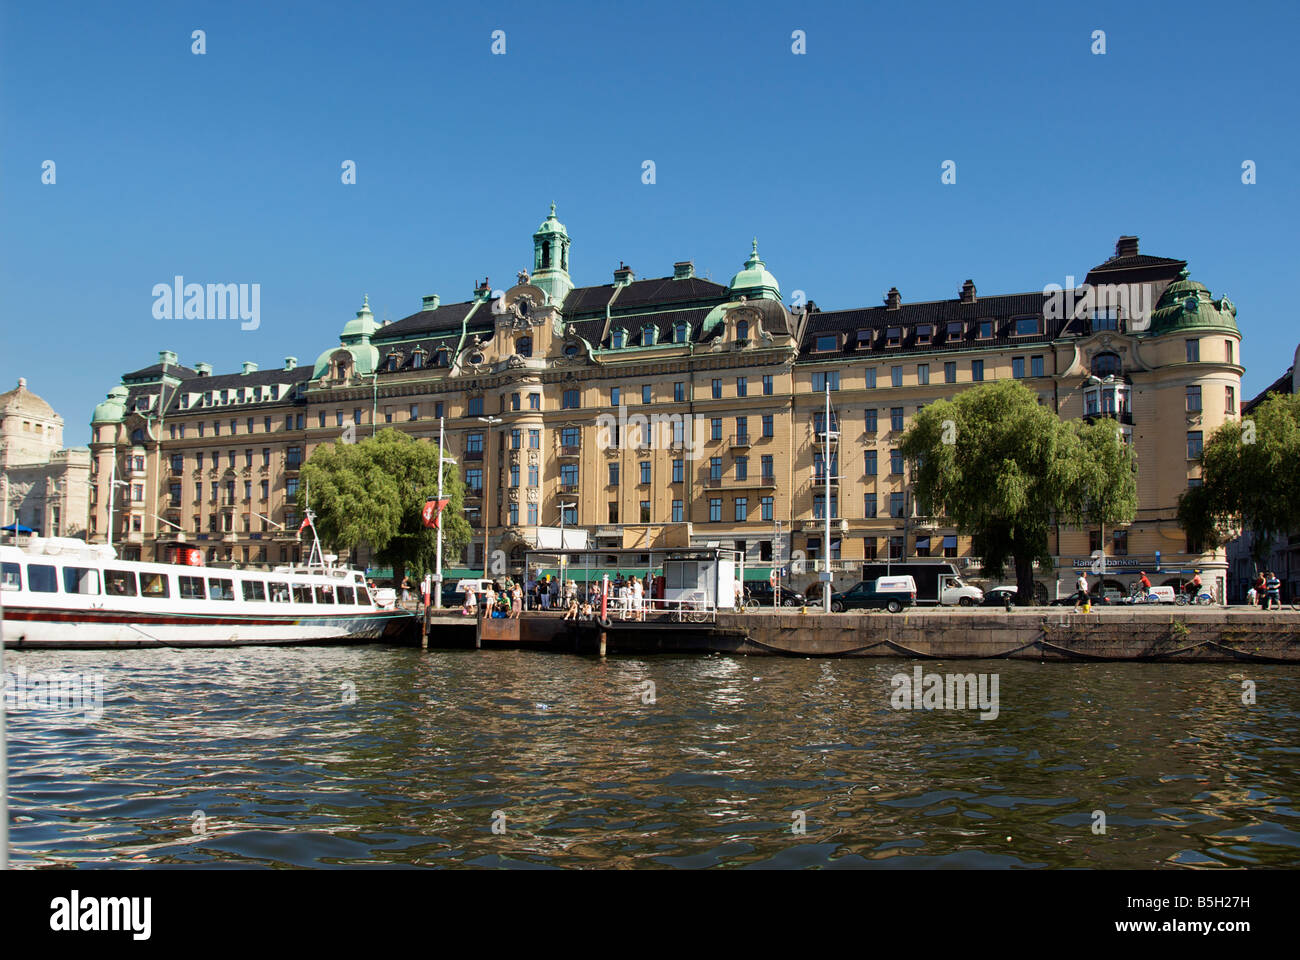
17 528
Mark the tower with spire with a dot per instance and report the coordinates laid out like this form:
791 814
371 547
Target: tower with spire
551 259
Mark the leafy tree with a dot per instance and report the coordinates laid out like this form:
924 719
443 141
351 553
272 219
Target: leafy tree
373 492
1250 479
1004 469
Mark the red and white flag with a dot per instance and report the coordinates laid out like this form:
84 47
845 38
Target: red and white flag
432 512
306 521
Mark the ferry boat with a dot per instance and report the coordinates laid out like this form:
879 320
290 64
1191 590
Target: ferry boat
63 592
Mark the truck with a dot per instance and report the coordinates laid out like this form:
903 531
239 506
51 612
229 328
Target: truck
937 581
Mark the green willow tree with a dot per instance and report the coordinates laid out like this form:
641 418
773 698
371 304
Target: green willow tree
1250 480
373 492
1005 469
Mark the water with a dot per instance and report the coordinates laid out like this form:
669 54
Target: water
374 756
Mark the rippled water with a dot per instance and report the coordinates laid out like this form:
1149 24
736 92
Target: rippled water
365 756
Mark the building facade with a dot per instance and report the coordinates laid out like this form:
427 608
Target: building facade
677 410
43 487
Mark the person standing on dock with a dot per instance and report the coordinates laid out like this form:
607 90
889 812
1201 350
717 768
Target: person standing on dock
1081 589
1272 591
516 601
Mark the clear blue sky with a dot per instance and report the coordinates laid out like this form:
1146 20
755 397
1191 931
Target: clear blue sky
226 167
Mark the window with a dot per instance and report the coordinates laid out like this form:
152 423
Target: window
1229 399
765 505
515 401
302 593
869 462
977 370
679 512
895 504
826 343
715 468
679 391
893 336
869 505
896 462
1193 351
514 475
742 468
474 479
265 489
254 590
715 511
680 332
819 506
474 444
613 475
769 472
954 330
221 588
742 429
896 418
1035 366
570 401
950 371
516 438
986 329
1227 353
513 514
870 373
1194 398
320 421
534 401
896 376
613 511
645 511
615 396
742 508
1018 367
924 333
78 580
618 339
715 428
338 418
190 588
437 411
1120 539
1106 365
742 386
923 374
823 380
645 471
679 471
524 346
534 475
475 407
535 438
571 437
768 427
414 411
922 546
1193 444
324 593
569 475
646 393
1025 326
137 492
717 389
767 384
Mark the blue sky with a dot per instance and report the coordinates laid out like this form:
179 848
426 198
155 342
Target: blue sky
225 167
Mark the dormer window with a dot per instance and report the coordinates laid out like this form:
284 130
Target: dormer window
742 330
570 350
1106 365
649 334
955 330
681 332
864 340
893 336
440 357
618 339
1025 326
925 333
827 343
417 360
986 329
392 362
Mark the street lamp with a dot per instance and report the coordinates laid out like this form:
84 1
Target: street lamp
563 557
487 472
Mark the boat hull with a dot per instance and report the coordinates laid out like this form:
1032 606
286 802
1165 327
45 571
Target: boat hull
34 627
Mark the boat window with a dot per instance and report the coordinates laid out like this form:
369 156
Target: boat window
302 593
119 583
345 595
254 590
41 578
219 588
279 592
191 588
79 580
324 593
10 576
153 585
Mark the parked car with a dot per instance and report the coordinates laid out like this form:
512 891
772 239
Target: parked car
998 596
890 593
761 594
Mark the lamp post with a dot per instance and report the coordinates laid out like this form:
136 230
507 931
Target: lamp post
487 472
826 536
563 557
437 576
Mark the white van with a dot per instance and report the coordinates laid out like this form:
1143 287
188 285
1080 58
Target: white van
958 594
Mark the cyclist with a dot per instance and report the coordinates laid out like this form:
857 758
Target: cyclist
1144 582
1194 585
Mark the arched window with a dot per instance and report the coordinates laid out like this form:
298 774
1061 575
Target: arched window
570 349
649 334
440 358
393 361
681 332
742 330
617 339
137 435
1106 365
546 256
524 346
417 360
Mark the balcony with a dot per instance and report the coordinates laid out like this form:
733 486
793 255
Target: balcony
1120 416
740 440
473 493
569 449
568 488
290 466
473 455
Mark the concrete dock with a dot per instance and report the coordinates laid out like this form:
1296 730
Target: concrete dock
1172 634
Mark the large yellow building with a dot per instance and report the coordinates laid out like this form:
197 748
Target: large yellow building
677 410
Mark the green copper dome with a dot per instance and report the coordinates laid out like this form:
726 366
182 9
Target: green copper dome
113 409
754 280
1186 304
355 338
551 225
361 327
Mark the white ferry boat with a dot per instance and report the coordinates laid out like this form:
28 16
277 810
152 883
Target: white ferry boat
62 592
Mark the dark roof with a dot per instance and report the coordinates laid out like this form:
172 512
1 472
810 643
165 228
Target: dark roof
449 316
1281 385
197 384
1134 269
642 294
999 309
405 352
155 371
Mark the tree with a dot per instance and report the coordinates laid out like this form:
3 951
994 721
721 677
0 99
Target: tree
1004 469
1250 480
373 492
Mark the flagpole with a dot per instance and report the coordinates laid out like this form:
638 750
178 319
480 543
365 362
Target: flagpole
4 756
437 576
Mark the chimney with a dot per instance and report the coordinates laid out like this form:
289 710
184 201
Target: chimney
167 358
249 367
484 290
1126 247
203 369
429 303
623 275
683 270
290 363
968 292
893 300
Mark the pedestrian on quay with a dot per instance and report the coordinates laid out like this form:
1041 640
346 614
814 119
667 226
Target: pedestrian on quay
426 590
1081 590
516 601
1259 587
1272 591
470 607
406 591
